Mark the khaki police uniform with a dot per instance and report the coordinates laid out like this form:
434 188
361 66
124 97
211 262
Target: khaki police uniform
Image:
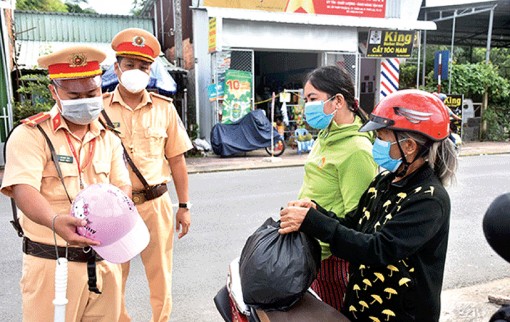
28 161
152 132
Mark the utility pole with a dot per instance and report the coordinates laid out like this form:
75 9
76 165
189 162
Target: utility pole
178 32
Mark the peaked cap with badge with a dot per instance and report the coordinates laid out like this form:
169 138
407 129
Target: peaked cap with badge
73 62
136 43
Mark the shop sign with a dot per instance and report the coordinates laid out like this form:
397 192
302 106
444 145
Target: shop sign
390 43
359 8
237 98
212 35
454 102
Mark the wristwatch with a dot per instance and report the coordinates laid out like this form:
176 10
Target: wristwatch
186 205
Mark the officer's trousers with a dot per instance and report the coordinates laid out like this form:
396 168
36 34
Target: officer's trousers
157 258
38 291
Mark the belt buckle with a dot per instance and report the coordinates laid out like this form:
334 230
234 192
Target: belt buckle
138 198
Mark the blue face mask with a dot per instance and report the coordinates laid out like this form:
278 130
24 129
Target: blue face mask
315 116
381 155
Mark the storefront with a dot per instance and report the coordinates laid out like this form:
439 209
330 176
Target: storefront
272 46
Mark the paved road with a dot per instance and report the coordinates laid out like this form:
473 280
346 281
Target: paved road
229 206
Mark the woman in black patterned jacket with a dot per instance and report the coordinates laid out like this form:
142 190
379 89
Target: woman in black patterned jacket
396 239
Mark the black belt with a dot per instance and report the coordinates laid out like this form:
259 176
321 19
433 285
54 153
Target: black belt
74 254
152 192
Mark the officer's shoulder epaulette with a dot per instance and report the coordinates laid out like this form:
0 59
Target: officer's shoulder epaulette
156 95
36 119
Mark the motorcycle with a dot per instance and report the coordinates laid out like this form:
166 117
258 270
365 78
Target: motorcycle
454 134
253 131
230 304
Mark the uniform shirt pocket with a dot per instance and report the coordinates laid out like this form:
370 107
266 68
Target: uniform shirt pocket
102 169
156 138
51 183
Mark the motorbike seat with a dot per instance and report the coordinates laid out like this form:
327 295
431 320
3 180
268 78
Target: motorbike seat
308 309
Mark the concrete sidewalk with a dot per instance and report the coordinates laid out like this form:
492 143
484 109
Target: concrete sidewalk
458 305
260 159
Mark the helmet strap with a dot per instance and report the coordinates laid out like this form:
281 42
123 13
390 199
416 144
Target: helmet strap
405 164
424 149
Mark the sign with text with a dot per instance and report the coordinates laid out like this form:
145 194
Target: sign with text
237 97
212 46
454 102
390 43
359 8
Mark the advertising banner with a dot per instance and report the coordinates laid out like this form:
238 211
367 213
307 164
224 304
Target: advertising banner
390 43
359 8
237 97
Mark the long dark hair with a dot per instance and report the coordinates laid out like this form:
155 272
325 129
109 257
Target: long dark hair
333 80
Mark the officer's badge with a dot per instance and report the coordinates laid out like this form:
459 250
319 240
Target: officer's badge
78 60
138 41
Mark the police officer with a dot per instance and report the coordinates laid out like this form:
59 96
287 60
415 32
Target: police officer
155 141
84 153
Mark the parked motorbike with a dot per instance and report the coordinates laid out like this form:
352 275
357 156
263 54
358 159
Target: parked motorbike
254 131
455 134
230 304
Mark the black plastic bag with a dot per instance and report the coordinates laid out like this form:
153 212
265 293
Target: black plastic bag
276 270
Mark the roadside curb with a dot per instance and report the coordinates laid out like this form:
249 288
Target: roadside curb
255 160
471 303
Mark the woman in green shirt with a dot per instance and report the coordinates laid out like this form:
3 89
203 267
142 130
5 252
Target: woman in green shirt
340 166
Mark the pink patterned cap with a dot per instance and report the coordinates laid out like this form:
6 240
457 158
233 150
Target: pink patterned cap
112 219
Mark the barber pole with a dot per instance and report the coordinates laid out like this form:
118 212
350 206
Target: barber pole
390 71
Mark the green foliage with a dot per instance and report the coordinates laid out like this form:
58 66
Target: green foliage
475 79
407 77
497 118
137 7
41 5
34 97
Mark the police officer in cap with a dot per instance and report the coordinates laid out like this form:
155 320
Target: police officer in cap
155 141
49 159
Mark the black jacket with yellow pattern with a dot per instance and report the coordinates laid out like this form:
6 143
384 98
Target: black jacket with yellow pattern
396 244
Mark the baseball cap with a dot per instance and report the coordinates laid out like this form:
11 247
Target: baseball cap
112 219
496 225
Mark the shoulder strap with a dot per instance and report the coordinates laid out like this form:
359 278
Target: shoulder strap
55 160
111 127
15 220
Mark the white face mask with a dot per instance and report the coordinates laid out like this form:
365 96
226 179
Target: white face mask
134 80
81 111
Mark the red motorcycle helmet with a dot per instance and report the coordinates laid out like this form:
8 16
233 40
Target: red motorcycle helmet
411 110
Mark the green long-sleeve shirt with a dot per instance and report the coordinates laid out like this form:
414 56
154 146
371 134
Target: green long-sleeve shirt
339 169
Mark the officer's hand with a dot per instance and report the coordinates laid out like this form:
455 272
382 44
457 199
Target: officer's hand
65 227
182 221
291 219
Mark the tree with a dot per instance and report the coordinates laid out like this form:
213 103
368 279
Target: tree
137 6
41 5
74 6
34 96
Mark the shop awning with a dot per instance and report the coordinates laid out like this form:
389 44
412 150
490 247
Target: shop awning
325 20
